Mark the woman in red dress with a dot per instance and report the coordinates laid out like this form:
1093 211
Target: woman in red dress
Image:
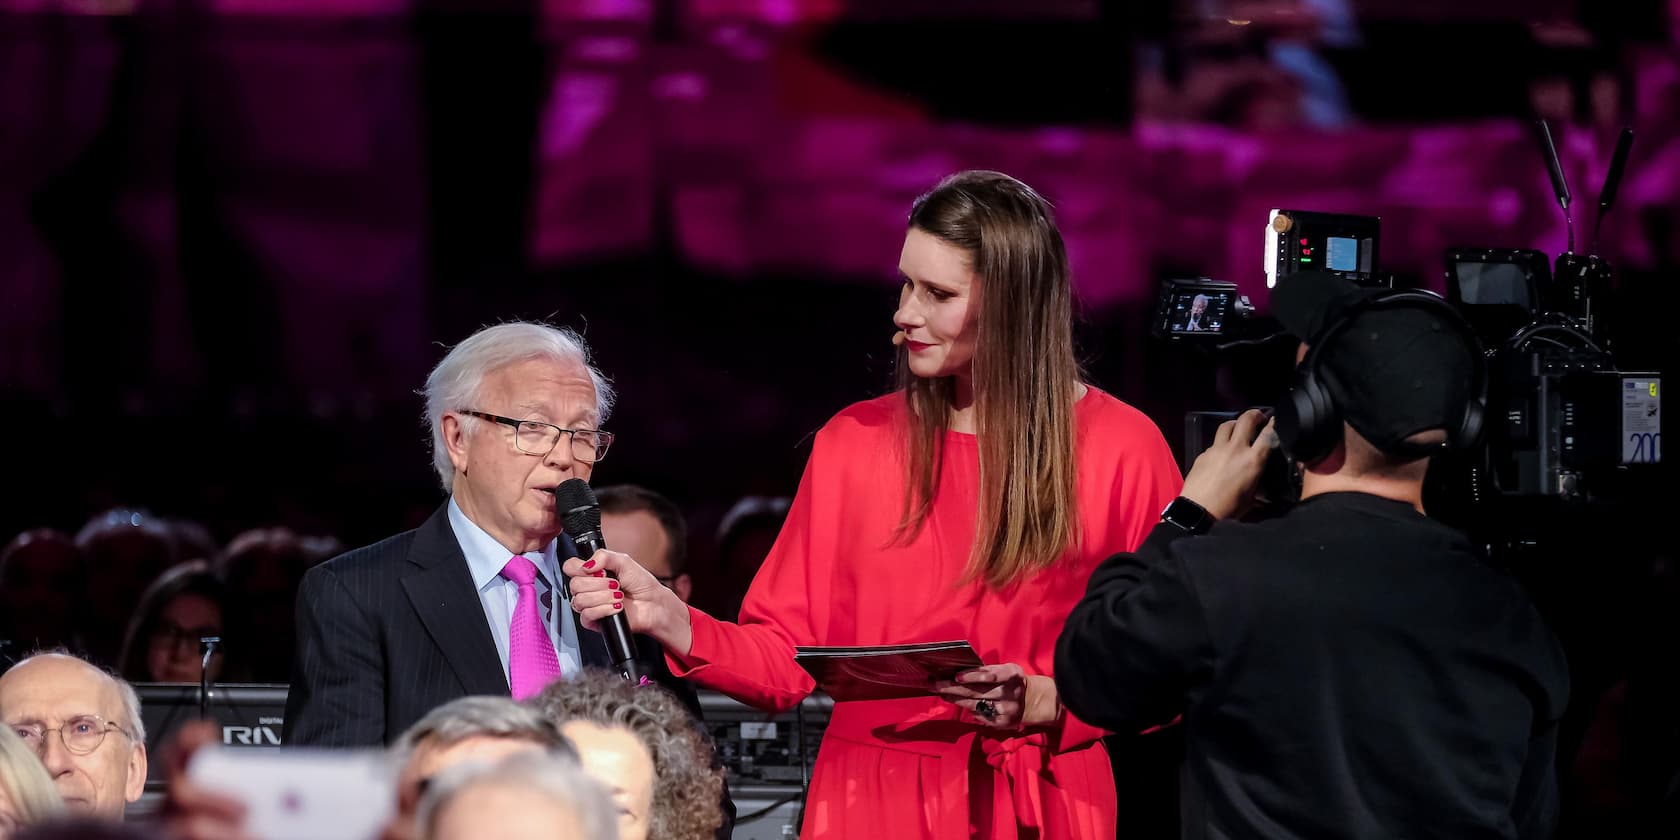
971 504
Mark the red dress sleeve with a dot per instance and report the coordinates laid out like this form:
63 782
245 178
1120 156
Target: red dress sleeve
753 661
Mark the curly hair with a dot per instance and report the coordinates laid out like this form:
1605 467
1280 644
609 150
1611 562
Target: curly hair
688 786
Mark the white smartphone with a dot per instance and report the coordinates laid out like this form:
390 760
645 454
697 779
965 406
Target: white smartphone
303 794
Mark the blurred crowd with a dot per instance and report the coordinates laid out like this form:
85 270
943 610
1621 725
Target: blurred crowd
594 758
133 598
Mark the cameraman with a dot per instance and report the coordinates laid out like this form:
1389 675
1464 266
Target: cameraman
1352 668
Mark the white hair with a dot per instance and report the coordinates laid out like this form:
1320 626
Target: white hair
455 384
559 779
481 717
25 781
131 721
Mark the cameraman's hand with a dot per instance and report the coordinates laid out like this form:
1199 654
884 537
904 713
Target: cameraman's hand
1224 478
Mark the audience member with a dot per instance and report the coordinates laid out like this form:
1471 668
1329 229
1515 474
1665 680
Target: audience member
27 795
125 551
744 538
641 743
181 607
261 569
650 527
478 729
524 797
40 589
193 540
84 724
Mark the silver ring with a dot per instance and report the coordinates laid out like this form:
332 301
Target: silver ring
985 709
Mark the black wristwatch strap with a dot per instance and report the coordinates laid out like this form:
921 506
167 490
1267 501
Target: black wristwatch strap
1187 516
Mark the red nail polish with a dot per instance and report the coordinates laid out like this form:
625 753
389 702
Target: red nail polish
618 605
617 594
612 584
599 574
589 565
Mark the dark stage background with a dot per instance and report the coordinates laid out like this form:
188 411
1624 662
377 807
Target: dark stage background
234 235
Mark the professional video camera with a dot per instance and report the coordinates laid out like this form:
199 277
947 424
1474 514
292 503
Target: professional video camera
1213 317
1563 419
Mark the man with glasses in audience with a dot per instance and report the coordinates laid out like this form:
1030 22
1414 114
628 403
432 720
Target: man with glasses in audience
84 724
469 603
650 528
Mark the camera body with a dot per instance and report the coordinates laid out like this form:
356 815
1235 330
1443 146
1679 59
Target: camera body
1563 416
1563 419
1342 244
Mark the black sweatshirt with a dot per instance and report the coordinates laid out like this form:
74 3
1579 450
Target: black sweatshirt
1351 669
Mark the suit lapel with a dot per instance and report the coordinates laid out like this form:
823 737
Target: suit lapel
441 590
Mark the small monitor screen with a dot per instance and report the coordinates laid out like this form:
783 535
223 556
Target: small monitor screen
1196 311
1341 253
1492 284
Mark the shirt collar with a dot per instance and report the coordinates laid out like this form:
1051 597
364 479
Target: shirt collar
486 557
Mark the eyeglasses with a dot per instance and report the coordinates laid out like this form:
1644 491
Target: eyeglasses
168 634
535 438
81 735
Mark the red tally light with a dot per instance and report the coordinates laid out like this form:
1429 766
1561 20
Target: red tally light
1303 240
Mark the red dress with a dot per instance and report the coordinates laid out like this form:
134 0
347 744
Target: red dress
916 768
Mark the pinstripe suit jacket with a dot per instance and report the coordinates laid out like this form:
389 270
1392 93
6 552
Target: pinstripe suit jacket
388 632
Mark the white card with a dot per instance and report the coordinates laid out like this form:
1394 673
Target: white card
302 794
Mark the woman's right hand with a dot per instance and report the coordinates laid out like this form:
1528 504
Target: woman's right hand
650 607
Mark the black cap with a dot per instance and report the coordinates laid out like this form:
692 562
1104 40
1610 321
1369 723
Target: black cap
1395 371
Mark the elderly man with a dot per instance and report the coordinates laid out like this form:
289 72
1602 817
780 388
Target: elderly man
468 730
1198 307
470 602
523 797
85 725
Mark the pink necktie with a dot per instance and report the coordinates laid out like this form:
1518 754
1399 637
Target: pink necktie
531 660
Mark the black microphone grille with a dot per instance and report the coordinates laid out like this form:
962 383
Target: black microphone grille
575 502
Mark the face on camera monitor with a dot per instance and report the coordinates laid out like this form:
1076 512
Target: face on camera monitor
1191 308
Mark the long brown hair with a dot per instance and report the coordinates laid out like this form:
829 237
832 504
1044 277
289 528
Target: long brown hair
1024 375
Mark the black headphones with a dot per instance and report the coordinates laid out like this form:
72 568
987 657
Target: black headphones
1309 424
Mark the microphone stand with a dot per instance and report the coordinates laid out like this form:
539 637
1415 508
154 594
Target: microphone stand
209 643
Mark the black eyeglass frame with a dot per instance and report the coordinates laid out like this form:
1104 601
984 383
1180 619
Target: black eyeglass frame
603 439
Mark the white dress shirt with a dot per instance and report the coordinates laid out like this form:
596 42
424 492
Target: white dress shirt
485 559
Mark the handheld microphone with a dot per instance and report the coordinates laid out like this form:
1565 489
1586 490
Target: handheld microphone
580 515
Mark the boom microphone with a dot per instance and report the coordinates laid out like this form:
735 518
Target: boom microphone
580 515
1612 182
1554 167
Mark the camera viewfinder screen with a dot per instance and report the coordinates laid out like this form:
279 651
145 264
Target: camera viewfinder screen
1494 284
1199 311
1341 253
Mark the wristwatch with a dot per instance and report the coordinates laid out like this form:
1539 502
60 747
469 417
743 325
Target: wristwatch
1187 516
